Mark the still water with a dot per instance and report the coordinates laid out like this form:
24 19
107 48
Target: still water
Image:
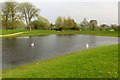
18 51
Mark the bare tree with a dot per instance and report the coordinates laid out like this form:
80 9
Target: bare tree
28 11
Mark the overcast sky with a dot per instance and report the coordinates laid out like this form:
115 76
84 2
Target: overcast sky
105 11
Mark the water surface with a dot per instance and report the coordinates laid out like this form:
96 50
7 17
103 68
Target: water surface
17 51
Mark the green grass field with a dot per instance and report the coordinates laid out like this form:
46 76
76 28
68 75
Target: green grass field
48 32
4 32
100 62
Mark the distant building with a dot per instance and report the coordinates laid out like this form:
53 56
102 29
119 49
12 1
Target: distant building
52 26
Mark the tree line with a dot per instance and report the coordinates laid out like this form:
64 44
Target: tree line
14 15
93 25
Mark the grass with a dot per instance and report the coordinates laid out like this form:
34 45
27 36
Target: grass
101 33
48 32
5 32
100 62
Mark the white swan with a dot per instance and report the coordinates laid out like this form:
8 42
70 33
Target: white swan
87 45
32 44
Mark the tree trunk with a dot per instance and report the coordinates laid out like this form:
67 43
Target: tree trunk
30 28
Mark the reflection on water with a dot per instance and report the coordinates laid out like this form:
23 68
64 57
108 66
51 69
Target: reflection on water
17 51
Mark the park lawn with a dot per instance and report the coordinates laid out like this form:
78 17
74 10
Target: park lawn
5 32
48 32
101 33
100 62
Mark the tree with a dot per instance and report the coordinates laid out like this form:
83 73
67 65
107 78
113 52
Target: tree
65 23
0 15
115 27
5 14
41 23
69 23
59 22
9 14
20 25
84 24
93 24
104 27
28 11
0 19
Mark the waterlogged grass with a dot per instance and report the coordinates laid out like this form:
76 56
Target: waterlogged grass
100 62
48 32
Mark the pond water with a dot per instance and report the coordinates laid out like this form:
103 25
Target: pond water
18 51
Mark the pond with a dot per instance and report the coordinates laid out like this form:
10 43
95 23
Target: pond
18 51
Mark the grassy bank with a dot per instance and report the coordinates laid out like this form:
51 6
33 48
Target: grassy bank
5 32
100 62
47 32
101 33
